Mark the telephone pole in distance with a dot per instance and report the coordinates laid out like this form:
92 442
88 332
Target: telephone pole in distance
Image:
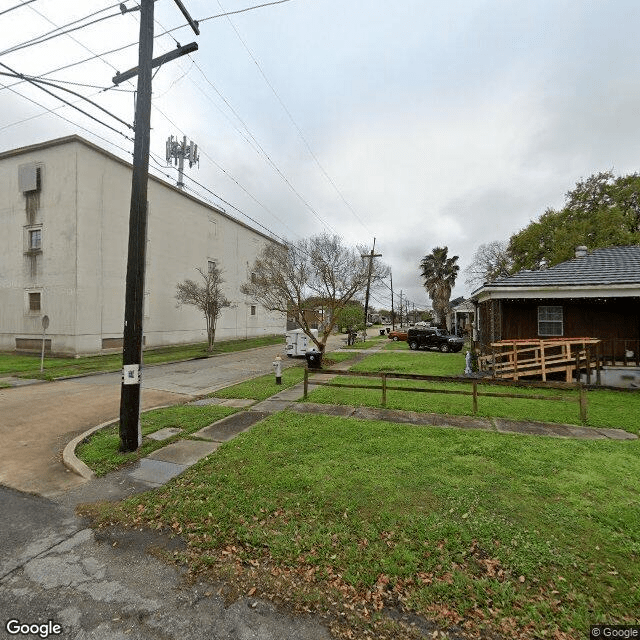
370 257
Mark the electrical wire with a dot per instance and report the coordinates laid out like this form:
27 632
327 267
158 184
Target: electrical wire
75 124
293 122
18 6
268 157
50 35
37 81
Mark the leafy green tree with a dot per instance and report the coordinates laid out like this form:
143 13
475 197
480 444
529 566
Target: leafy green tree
601 211
439 273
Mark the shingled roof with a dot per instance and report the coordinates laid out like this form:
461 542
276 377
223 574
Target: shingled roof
610 266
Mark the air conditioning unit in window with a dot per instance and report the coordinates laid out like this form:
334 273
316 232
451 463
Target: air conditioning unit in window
28 178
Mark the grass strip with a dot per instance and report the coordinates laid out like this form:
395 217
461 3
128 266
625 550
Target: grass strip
28 366
516 535
100 451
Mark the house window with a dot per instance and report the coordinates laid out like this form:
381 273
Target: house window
211 266
34 301
253 309
550 321
253 278
35 239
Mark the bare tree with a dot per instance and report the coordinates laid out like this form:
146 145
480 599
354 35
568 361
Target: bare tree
208 297
490 261
321 270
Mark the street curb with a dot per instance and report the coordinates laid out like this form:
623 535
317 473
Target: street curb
73 463
69 458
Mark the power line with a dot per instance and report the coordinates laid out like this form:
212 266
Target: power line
231 13
291 118
50 35
18 6
226 173
37 81
268 158
73 106
75 124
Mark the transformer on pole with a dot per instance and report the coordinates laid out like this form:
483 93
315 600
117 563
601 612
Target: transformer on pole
179 152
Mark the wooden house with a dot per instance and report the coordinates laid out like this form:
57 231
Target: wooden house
594 295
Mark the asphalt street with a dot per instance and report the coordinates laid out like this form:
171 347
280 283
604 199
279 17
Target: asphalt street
37 421
75 583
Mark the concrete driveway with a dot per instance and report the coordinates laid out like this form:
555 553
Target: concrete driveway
37 421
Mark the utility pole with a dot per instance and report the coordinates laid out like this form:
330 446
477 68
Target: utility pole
130 434
393 314
401 308
370 257
178 151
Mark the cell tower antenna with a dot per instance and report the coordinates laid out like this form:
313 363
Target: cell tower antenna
179 152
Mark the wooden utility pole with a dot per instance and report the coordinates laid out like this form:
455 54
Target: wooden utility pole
370 257
130 434
401 308
393 315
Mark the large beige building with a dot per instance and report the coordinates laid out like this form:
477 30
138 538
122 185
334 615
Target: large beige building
64 225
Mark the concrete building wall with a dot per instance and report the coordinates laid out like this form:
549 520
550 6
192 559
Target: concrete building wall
83 212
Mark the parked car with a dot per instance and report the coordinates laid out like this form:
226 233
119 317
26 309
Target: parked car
434 338
398 334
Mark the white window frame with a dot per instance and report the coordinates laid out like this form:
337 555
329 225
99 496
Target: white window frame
550 321
33 233
27 302
253 310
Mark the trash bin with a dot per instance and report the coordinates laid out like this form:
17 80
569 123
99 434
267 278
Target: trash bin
388 330
314 359
382 332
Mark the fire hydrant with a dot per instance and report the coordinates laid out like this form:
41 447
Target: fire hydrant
277 368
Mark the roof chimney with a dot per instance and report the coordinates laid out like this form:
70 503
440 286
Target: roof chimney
581 251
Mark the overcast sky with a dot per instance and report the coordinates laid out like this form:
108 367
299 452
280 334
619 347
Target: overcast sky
421 124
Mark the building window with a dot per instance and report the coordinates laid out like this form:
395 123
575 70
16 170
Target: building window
211 265
550 322
34 301
253 309
253 278
35 239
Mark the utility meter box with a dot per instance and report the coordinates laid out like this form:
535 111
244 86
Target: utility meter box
298 342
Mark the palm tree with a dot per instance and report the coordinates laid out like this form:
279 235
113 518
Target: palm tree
439 273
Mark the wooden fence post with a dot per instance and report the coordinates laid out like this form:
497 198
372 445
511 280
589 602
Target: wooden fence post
475 397
384 389
582 398
306 383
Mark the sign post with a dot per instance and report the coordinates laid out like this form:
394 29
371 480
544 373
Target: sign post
45 326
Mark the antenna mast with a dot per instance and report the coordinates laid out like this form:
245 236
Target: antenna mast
178 152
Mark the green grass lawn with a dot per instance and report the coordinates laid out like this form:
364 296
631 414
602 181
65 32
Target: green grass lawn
605 408
425 363
262 387
28 366
519 535
100 453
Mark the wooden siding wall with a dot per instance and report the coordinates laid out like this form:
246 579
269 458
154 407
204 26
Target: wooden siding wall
603 319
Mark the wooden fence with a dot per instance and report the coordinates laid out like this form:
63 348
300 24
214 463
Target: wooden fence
517 359
474 383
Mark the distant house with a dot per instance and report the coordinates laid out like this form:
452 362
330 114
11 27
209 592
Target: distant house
462 313
594 295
